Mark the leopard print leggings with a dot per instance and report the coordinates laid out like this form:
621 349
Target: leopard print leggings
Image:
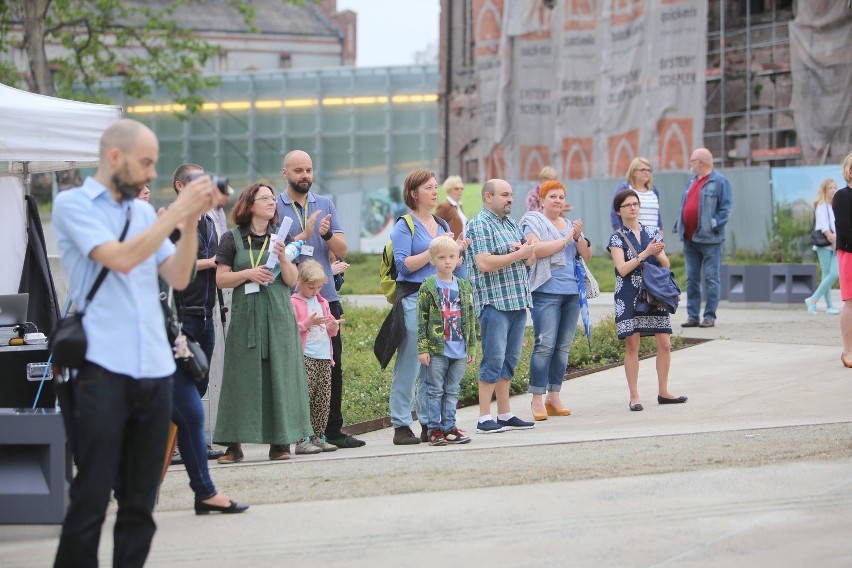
319 392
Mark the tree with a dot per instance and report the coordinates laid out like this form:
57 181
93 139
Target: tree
140 41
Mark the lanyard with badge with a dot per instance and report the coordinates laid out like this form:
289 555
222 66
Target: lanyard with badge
254 287
306 249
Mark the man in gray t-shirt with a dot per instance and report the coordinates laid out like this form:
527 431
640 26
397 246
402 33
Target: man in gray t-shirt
315 221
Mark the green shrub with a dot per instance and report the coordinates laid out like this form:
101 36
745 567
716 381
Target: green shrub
367 388
362 277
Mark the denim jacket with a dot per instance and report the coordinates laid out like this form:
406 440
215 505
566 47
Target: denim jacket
714 210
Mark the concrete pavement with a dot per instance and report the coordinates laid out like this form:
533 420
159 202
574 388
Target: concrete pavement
756 469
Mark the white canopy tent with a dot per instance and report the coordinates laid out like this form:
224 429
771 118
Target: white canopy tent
39 134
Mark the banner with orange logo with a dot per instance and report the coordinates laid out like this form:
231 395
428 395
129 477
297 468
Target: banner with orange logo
588 85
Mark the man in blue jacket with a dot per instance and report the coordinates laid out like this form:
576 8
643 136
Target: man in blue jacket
704 211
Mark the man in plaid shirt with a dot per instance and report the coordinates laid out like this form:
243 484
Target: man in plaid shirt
501 295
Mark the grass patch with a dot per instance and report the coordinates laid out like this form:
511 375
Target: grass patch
367 388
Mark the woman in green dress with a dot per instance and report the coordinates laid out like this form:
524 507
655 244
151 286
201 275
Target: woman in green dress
264 396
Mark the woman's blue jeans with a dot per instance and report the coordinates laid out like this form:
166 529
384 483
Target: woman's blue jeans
828 265
407 372
188 413
554 322
188 416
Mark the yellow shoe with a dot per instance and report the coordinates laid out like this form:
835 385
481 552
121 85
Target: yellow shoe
553 411
538 415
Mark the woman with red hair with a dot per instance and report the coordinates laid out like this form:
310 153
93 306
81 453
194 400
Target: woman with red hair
555 296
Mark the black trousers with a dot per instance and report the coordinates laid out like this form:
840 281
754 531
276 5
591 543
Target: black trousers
335 413
118 430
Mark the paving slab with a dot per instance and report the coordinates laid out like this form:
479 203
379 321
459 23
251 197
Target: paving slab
755 470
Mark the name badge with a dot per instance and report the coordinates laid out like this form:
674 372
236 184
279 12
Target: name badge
307 250
252 288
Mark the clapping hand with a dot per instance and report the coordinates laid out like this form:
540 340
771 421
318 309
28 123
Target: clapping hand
325 224
463 244
338 266
577 229
527 249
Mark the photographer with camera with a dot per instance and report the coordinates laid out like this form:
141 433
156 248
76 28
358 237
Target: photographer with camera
196 311
121 398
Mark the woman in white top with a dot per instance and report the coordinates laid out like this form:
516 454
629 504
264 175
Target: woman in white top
639 178
824 221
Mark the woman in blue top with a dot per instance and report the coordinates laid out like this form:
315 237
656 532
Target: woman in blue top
411 255
639 178
555 299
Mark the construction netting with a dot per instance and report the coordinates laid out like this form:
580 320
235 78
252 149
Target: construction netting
587 85
821 67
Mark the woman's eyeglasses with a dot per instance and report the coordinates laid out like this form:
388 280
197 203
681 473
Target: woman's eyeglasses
630 205
265 198
646 170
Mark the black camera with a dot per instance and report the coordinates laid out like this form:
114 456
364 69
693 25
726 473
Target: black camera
219 182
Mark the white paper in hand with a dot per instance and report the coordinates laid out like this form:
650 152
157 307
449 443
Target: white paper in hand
272 261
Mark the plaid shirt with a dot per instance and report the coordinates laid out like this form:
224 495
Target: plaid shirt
506 289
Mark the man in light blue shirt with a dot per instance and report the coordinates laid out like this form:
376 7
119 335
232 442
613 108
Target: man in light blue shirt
117 426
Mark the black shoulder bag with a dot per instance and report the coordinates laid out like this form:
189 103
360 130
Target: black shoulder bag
818 238
189 355
68 341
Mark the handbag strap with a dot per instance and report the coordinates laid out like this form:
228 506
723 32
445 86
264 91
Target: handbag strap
630 245
103 274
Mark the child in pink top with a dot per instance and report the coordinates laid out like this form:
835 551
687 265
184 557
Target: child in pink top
316 327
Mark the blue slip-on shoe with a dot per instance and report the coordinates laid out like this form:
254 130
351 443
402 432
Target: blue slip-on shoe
489 427
515 423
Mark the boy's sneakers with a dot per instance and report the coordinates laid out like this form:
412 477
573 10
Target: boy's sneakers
489 427
455 436
436 438
515 423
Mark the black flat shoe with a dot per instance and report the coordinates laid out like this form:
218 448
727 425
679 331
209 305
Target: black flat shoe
678 400
202 508
636 407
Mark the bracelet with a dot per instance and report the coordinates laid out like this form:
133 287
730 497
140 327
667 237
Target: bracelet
327 235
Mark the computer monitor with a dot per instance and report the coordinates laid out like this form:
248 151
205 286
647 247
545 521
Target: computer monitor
13 309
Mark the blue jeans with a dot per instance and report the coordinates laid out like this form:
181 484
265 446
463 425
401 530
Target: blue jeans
709 258
554 321
202 330
407 373
502 336
188 416
443 383
118 428
828 266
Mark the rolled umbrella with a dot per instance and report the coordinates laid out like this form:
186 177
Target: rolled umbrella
580 273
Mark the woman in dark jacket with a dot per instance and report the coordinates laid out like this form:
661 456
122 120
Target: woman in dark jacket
842 205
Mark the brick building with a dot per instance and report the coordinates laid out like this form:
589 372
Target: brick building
751 105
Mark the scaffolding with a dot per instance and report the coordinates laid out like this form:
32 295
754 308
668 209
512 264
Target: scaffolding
748 118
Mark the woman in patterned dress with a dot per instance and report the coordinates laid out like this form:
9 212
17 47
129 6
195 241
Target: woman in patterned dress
631 326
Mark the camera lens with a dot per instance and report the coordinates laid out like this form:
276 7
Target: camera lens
221 183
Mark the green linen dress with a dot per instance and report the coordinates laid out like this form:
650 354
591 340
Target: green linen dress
264 396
